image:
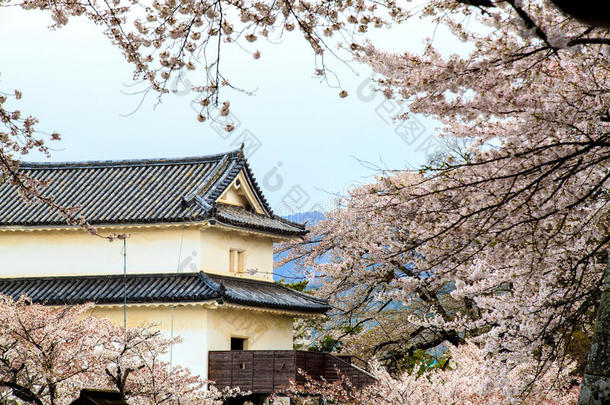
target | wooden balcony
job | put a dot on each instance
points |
(268, 371)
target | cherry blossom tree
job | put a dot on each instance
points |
(462, 382)
(48, 354)
(501, 244)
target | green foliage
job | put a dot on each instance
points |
(295, 285)
(325, 344)
(329, 344)
(417, 362)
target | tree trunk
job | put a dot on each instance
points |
(596, 383)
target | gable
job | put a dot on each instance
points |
(241, 194)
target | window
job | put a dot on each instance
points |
(238, 343)
(236, 260)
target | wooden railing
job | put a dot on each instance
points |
(268, 371)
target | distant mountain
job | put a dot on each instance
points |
(289, 272)
(309, 217)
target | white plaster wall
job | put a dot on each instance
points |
(189, 322)
(77, 252)
(231, 196)
(264, 330)
(205, 329)
(151, 250)
(216, 243)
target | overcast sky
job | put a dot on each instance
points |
(309, 140)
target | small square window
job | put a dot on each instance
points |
(237, 260)
(238, 343)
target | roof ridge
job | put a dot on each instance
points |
(93, 276)
(208, 181)
(209, 282)
(129, 162)
(223, 180)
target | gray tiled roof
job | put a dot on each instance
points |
(266, 294)
(160, 288)
(107, 289)
(141, 191)
(237, 216)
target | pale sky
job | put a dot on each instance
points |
(74, 81)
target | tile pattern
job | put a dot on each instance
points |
(160, 288)
(141, 191)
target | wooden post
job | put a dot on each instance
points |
(596, 383)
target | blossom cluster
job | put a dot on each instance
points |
(164, 39)
(464, 382)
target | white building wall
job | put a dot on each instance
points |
(263, 330)
(216, 243)
(203, 329)
(149, 250)
(188, 248)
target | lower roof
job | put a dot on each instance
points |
(160, 288)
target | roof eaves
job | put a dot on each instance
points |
(309, 297)
(258, 228)
(323, 303)
(123, 223)
(300, 228)
(69, 294)
(291, 307)
(291, 223)
(207, 182)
